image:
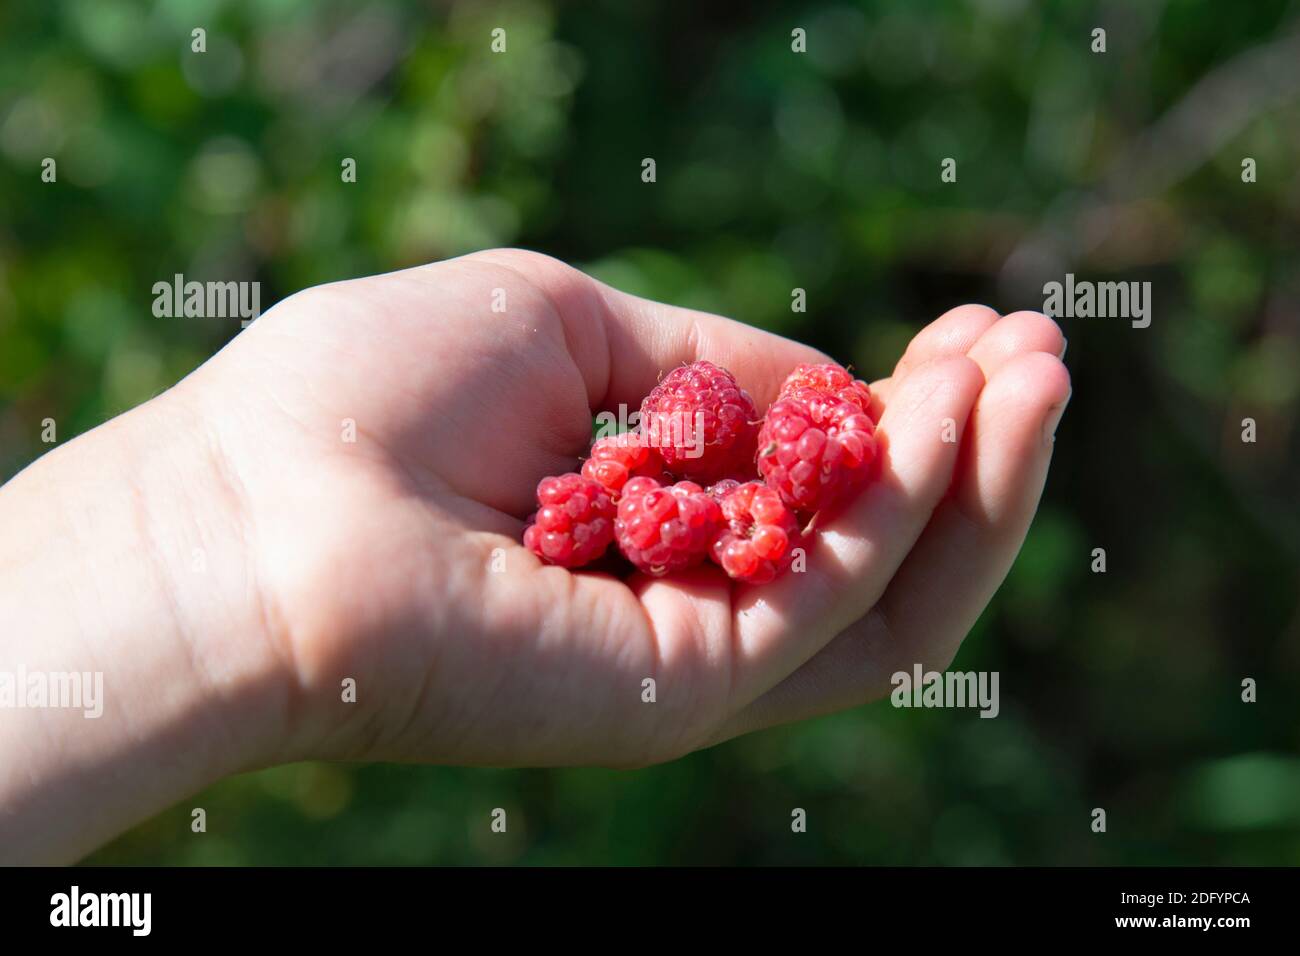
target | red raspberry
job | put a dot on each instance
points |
(665, 528)
(574, 523)
(760, 535)
(617, 458)
(814, 450)
(702, 422)
(829, 378)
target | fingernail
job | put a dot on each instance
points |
(1054, 418)
(1065, 344)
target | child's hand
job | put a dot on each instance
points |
(394, 559)
(375, 558)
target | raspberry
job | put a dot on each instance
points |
(617, 458)
(666, 528)
(829, 378)
(815, 449)
(702, 422)
(574, 523)
(760, 534)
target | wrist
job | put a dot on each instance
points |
(124, 561)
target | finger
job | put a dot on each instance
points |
(953, 333)
(1014, 335)
(881, 389)
(1000, 341)
(958, 563)
(857, 552)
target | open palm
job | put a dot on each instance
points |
(381, 440)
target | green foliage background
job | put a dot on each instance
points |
(775, 170)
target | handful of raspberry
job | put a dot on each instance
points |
(704, 478)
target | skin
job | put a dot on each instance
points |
(228, 559)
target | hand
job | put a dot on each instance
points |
(377, 557)
(260, 557)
